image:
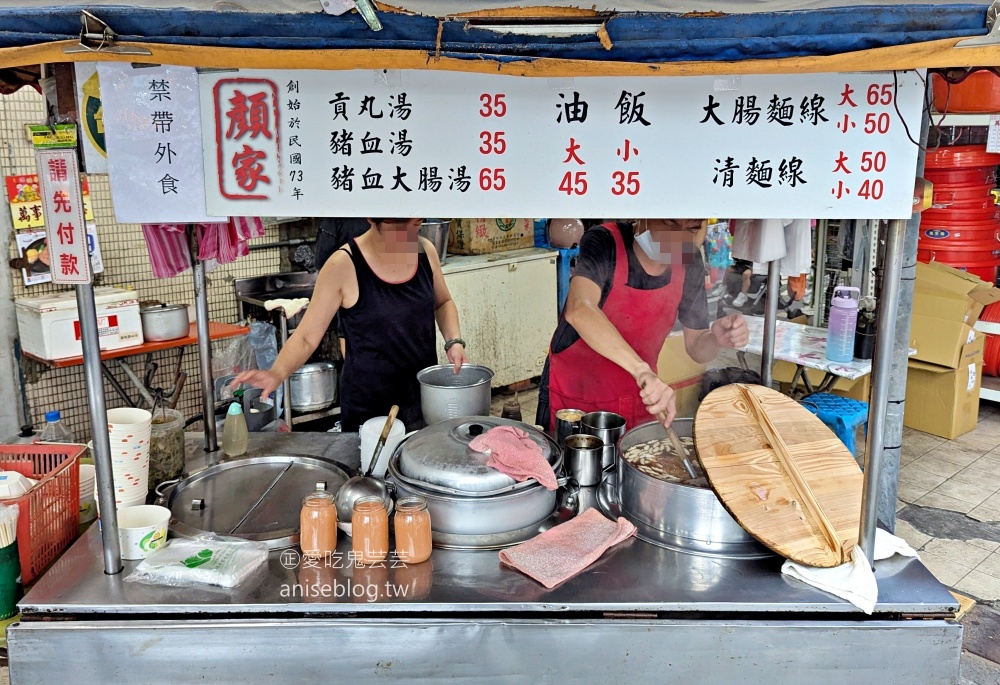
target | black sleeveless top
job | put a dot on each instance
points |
(389, 335)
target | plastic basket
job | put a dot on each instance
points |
(48, 513)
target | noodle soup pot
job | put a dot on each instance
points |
(672, 515)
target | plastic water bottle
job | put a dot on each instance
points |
(55, 430)
(843, 322)
(234, 432)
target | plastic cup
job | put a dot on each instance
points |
(142, 529)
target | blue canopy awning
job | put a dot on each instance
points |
(636, 37)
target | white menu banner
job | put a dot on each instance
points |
(62, 205)
(429, 143)
(152, 128)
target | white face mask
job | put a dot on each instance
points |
(652, 248)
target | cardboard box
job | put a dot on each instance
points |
(50, 325)
(858, 389)
(943, 400)
(946, 304)
(948, 293)
(681, 373)
(483, 236)
(939, 341)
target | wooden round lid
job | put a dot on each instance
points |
(785, 476)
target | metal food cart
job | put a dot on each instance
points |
(641, 613)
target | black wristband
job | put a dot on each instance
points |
(453, 341)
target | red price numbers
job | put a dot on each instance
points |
(492, 179)
(623, 183)
(880, 94)
(574, 183)
(877, 123)
(872, 189)
(493, 143)
(493, 105)
(872, 161)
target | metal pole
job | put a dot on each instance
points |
(204, 344)
(287, 384)
(819, 284)
(770, 321)
(885, 340)
(90, 338)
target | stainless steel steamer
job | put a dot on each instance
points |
(472, 506)
(672, 515)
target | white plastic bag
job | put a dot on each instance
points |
(202, 560)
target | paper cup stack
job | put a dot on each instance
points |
(128, 431)
(88, 499)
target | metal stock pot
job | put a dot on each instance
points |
(471, 504)
(445, 394)
(672, 515)
(314, 386)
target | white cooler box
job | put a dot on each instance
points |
(50, 326)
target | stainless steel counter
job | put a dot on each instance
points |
(650, 611)
(635, 577)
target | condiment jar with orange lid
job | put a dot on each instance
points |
(318, 525)
(413, 530)
(370, 530)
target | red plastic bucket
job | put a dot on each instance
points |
(985, 237)
(960, 157)
(977, 175)
(962, 196)
(979, 91)
(968, 257)
(960, 215)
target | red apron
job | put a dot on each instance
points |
(580, 378)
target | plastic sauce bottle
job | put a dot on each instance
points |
(413, 530)
(234, 431)
(55, 430)
(318, 525)
(842, 325)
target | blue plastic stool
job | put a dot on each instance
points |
(841, 414)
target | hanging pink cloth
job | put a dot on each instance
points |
(224, 242)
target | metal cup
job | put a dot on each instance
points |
(582, 456)
(609, 427)
(567, 423)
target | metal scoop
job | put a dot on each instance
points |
(366, 485)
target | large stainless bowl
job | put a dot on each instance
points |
(670, 514)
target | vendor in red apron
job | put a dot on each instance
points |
(630, 284)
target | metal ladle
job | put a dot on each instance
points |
(365, 485)
(676, 442)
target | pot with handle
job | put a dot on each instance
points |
(314, 386)
(164, 322)
(446, 395)
(673, 515)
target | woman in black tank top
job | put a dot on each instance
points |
(387, 285)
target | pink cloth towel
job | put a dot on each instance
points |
(512, 451)
(168, 249)
(561, 552)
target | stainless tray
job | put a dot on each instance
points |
(258, 498)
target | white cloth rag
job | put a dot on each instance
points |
(855, 580)
(291, 306)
